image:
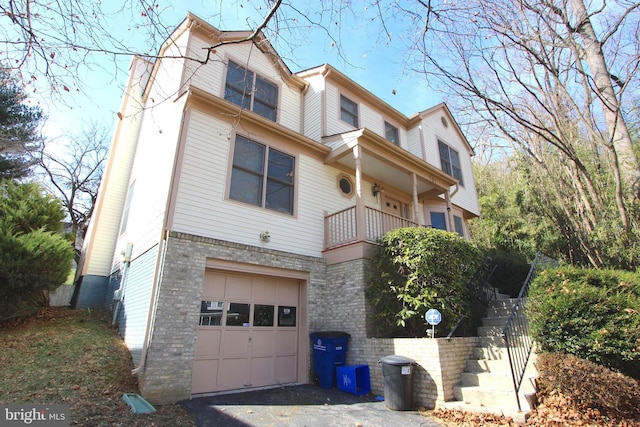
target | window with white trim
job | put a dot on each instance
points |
(250, 91)
(348, 111)
(450, 161)
(262, 176)
(391, 133)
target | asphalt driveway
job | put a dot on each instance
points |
(300, 406)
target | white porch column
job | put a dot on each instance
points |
(417, 216)
(360, 210)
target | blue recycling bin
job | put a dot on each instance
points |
(329, 352)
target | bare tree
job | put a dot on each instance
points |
(525, 66)
(72, 170)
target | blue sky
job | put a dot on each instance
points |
(373, 62)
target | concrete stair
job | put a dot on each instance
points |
(486, 385)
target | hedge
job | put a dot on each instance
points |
(418, 269)
(591, 314)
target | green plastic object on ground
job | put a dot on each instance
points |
(138, 404)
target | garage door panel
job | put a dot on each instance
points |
(286, 342)
(234, 373)
(239, 288)
(262, 371)
(287, 293)
(208, 343)
(204, 376)
(214, 286)
(286, 369)
(236, 343)
(262, 343)
(264, 289)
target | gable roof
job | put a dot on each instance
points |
(444, 109)
(219, 38)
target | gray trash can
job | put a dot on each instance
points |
(397, 372)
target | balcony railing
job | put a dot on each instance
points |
(341, 227)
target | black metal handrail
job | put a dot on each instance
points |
(481, 293)
(516, 330)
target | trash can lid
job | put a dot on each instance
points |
(397, 360)
(329, 334)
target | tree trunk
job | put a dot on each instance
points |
(627, 161)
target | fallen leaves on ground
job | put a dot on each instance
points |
(74, 357)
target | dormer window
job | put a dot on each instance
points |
(251, 92)
(349, 111)
(391, 133)
(450, 161)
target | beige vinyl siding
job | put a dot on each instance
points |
(167, 83)
(466, 197)
(208, 77)
(368, 116)
(371, 119)
(201, 207)
(211, 77)
(313, 114)
(414, 144)
(105, 222)
(335, 125)
(152, 171)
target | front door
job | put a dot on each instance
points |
(394, 207)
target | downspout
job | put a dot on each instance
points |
(118, 294)
(323, 102)
(447, 196)
(302, 107)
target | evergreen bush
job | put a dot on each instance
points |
(417, 269)
(34, 257)
(591, 314)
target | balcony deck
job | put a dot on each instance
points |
(341, 228)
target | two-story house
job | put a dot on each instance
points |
(241, 204)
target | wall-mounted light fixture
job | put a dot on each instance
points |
(265, 236)
(375, 190)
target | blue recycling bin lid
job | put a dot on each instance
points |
(329, 334)
(397, 360)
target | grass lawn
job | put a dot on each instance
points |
(74, 357)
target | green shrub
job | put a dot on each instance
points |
(591, 314)
(589, 385)
(418, 269)
(34, 257)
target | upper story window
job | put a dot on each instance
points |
(250, 91)
(458, 225)
(262, 176)
(391, 133)
(450, 161)
(348, 111)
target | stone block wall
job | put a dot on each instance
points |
(439, 364)
(345, 306)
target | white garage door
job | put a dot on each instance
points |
(248, 332)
